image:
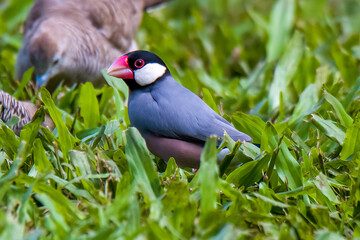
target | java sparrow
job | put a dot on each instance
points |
(173, 121)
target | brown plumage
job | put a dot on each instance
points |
(75, 40)
(25, 111)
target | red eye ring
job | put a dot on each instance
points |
(139, 63)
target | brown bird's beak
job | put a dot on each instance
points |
(120, 69)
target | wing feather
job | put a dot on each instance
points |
(177, 113)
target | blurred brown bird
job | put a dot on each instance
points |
(25, 111)
(74, 40)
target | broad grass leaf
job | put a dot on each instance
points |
(106, 94)
(208, 99)
(241, 155)
(230, 231)
(208, 176)
(279, 28)
(182, 214)
(209, 81)
(8, 140)
(286, 70)
(89, 105)
(306, 104)
(141, 166)
(250, 149)
(62, 205)
(329, 128)
(271, 201)
(352, 94)
(286, 165)
(352, 139)
(49, 136)
(259, 20)
(56, 212)
(344, 118)
(281, 108)
(117, 85)
(249, 173)
(228, 142)
(65, 138)
(322, 183)
(120, 159)
(15, 12)
(308, 163)
(18, 161)
(11, 228)
(156, 231)
(225, 163)
(299, 142)
(288, 168)
(41, 161)
(24, 81)
(251, 125)
(324, 234)
(170, 170)
(31, 130)
(190, 80)
(125, 205)
(345, 63)
(83, 167)
(97, 138)
(72, 188)
(111, 127)
(89, 134)
(12, 121)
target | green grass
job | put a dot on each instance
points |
(286, 72)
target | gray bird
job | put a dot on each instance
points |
(74, 40)
(173, 121)
(25, 111)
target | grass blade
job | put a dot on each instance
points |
(89, 105)
(208, 177)
(65, 138)
(345, 119)
(281, 21)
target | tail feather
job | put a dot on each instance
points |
(11, 107)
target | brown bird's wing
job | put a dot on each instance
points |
(116, 20)
(41, 11)
(98, 32)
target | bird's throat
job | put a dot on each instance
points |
(132, 84)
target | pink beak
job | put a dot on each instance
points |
(120, 69)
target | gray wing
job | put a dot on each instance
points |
(175, 112)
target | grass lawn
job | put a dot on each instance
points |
(285, 72)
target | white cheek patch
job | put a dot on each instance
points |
(149, 73)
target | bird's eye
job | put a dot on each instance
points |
(139, 63)
(56, 61)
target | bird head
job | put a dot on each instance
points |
(46, 56)
(138, 68)
(58, 54)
